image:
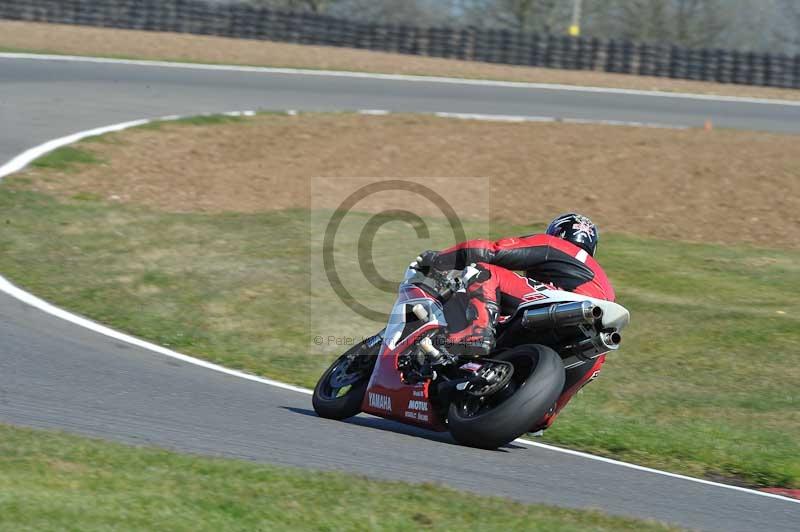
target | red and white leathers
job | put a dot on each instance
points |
(498, 290)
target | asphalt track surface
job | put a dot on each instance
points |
(56, 375)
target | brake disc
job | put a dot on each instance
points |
(344, 374)
(496, 374)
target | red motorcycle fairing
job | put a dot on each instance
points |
(387, 396)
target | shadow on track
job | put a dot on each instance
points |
(378, 423)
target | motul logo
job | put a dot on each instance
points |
(380, 401)
(418, 405)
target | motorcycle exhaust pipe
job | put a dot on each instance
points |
(611, 340)
(597, 345)
(562, 315)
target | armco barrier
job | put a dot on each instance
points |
(247, 21)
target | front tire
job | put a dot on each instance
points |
(340, 391)
(507, 414)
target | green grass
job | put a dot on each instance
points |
(199, 120)
(65, 159)
(706, 381)
(52, 481)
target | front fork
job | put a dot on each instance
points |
(370, 347)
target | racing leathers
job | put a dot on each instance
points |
(495, 291)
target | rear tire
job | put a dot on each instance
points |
(536, 385)
(328, 400)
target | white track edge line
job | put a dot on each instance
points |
(22, 160)
(402, 77)
(44, 306)
(656, 471)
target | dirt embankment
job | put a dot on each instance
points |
(723, 186)
(80, 40)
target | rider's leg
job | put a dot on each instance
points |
(577, 378)
(472, 315)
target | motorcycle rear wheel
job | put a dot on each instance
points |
(491, 422)
(340, 391)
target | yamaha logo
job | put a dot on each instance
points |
(380, 401)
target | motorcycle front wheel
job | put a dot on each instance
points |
(340, 391)
(493, 421)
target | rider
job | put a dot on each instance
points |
(563, 257)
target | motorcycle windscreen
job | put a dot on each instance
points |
(408, 315)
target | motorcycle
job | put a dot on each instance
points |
(406, 372)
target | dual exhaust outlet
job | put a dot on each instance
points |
(570, 315)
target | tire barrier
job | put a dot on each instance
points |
(246, 21)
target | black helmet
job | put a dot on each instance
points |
(577, 229)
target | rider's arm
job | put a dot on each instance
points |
(524, 253)
(542, 257)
